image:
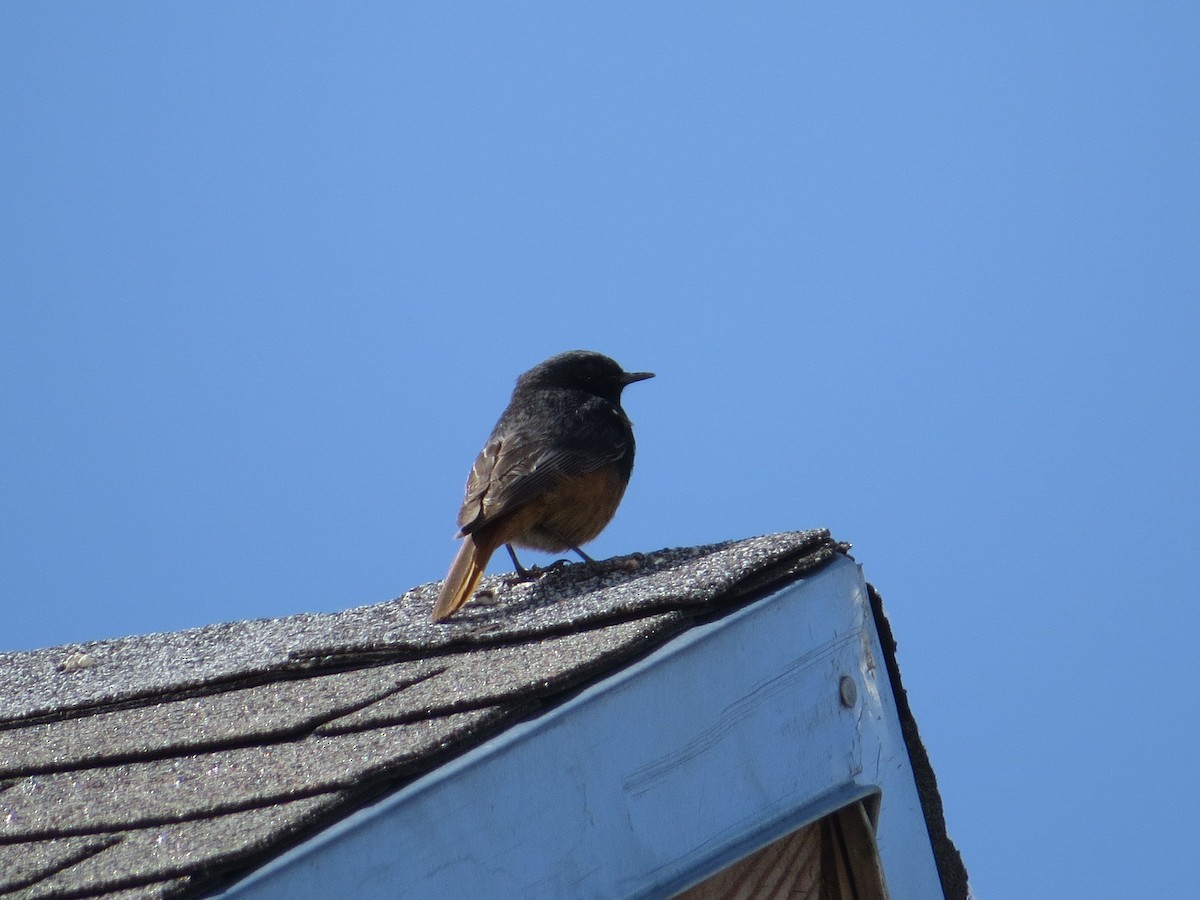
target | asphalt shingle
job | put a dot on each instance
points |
(157, 765)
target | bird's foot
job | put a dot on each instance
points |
(533, 573)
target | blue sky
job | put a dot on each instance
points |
(926, 275)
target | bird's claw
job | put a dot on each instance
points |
(534, 573)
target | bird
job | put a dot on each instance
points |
(552, 473)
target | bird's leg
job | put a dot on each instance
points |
(592, 564)
(585, 557)
(523, 574)
(533, 573)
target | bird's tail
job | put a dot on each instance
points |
(464, 575)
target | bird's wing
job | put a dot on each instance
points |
(510, 472)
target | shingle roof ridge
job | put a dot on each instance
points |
(56, 680)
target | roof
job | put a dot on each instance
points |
(166, 765)
(169, 765)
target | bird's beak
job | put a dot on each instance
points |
(631, 377)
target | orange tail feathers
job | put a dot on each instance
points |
(464, 575)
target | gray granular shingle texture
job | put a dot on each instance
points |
(164, 765)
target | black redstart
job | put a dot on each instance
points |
(553, 471)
